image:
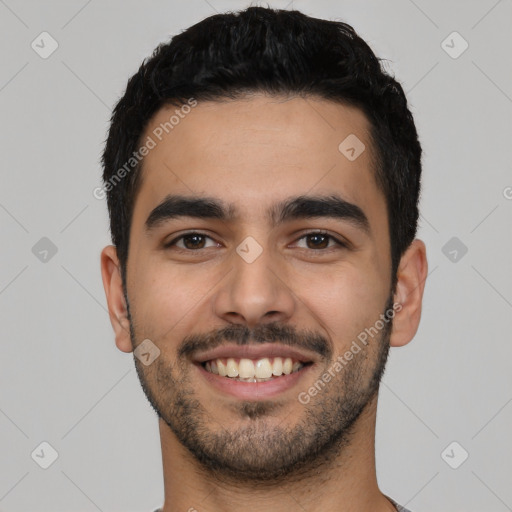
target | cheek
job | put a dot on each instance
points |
(165, 295)
(345, 300)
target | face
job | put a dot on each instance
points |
(253, 236)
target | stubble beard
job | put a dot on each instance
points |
(254, 445)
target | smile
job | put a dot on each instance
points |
(254, 388)
(253, 370)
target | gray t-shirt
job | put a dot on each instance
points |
(399, 508)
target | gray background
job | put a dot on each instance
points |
(63, 381)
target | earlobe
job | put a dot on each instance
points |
(411, 276)
(113, 285)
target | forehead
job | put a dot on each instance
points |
(255, 152)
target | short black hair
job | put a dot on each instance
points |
(227, 56)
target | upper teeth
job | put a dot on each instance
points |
(248, 368)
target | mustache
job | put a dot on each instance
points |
(266, 333)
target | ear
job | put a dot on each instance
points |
(411, 276)
(117, 310)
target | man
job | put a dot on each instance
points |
(262, 175)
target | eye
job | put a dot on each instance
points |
(191, 241)
(320, 240)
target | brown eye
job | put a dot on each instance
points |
(319, 240)
(193, 241)
(190, 241)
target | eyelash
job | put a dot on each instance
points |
(322, 233)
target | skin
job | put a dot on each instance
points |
(255, 152)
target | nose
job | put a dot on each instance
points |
(255, 292)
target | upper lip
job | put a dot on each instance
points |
(254, 352)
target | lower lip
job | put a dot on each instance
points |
(254, 390)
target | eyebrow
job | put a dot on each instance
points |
(294, 208)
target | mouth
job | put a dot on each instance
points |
(254, 370)
(255, 373)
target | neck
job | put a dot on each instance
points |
(347, 483)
